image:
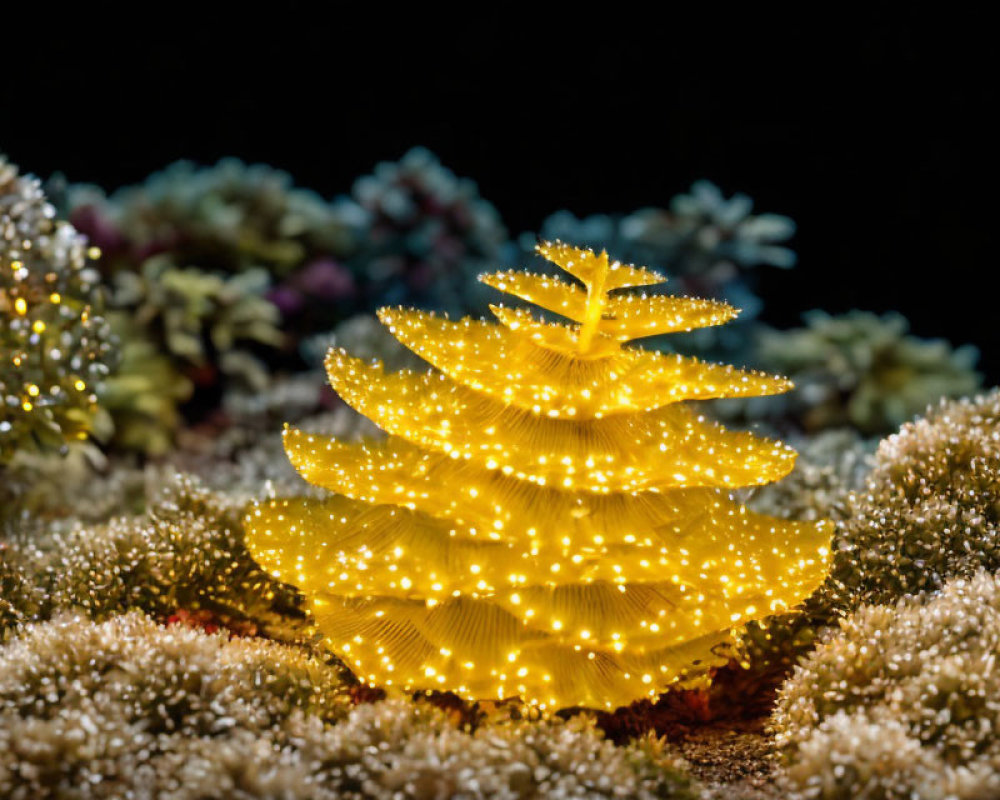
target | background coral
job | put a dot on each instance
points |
(207, 261)
(55, 347)
(830, 466)
(225, 218)
(428, 234)
(863, 370)
(193, 255)
(902, 702)
(703, 236)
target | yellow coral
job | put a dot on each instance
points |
(544, 520)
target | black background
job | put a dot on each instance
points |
(875, 132)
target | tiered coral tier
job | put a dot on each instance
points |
(545, 520)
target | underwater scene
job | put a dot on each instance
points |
(382, 493)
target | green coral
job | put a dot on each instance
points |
(903, 701)
(863, 370)
(142, 399)
(183, 329)
(55, 347)
(192, 255)
(203, 321)
(195, 313)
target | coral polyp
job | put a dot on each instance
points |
(546, 520)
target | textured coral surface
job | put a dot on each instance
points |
(902, 701)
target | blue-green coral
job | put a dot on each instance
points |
(203, 319)
(702, 236)
(428, 234)
(55, 347)
(863, 370)
(183, 330)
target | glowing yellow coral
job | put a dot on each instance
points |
(544, 520)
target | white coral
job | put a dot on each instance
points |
(127, 708)
(931, 508)
(903, 701)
